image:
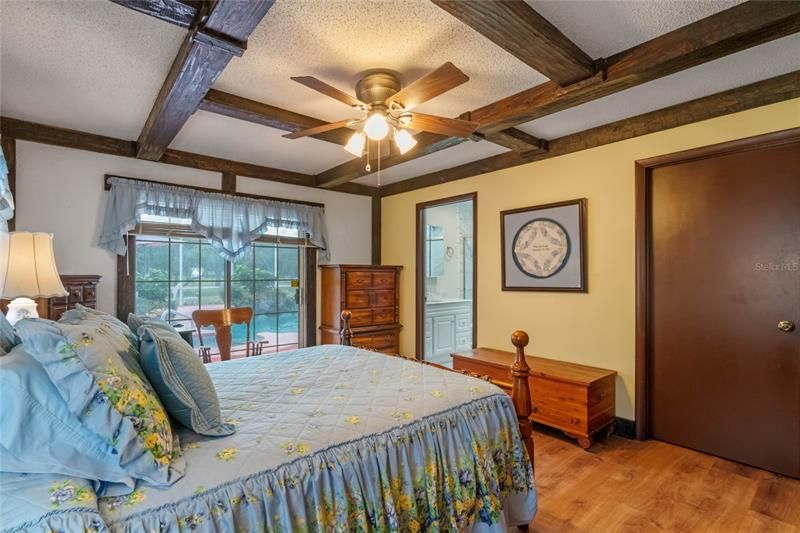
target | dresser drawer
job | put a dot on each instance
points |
(89, 293)
(358, 280)
(57, 310)
(383, 280)
(464, 322)
(559, 404)
(376, 341)
(383, 316)
(383, 298)
(552, 416)
(75, 293)
(358, 300)
(361, 317)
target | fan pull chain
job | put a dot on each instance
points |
(368, 167)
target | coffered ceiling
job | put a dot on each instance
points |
(96, 66)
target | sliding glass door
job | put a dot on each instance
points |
(177, 275)
(445, 277)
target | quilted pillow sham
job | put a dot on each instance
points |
(135, 322)
(82, 314)
(40, 435)
(181, 380)
(86, 361)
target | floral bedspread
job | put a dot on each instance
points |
(333, 438)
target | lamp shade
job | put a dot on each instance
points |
(31, 270)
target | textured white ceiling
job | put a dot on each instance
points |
(88, 65)
(95, 66)
(336, 41)
(604, 27)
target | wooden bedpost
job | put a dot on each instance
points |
(346, 334)
(520, 389)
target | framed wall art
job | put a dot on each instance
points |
(544, 247)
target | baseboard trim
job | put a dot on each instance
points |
(625, 428)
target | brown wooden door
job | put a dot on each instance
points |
(725, 269)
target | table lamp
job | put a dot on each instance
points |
(31, 273)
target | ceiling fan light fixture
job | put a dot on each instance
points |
(376, 127)
(405, 119)
(356, 144)
(404, 140)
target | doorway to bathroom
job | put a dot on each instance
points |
(446, 277)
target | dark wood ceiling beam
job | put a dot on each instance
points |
(427, 143)
(518, 29)
(516, 140)
(735, 29)
(241, 108)
(202, 57)
(757, 94)
(12, 128)
(726, 32)
(173, 11)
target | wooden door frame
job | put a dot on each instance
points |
(420, 269)
(644, 171)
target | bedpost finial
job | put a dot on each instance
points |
(520, 339)
(346, 334)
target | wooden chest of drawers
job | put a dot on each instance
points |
(82, 290)
(577, 399)
(369, 292)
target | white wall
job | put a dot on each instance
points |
(60, 190)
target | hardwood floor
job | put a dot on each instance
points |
(623, 485)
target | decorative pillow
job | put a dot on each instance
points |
(135, 322)
(8, 339)
(85, 363)
(181, 380)
(82, 314)
(40, 435)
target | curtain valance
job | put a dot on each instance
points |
(230, 223)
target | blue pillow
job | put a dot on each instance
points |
(39, 435)
(8, 339)
(85, 363)
(181, 380)
(82, 314)
(135, 322)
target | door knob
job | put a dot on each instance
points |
(786, 325)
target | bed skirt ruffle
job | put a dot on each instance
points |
(463, 469)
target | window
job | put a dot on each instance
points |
(175, 275)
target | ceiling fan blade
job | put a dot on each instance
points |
(452, 127)
(431, 85)
(318, 129)
(328, 90)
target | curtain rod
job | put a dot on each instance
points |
(107, 186)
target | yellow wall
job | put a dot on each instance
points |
(596, 328)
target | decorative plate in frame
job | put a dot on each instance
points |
(543, 247)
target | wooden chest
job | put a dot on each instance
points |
(370, 293)
(81, 289)
(577, 399)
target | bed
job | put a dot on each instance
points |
(328, 438)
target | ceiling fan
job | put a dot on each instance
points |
(387, 107)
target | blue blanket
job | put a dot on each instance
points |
(327, 438)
